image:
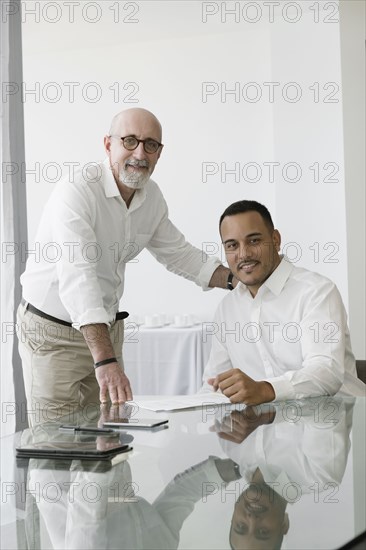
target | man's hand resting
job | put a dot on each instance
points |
(240, 388)
(110, 377)
(113, 381)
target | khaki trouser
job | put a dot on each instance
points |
(58, 367)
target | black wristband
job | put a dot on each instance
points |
(105, 362)
(229, 284)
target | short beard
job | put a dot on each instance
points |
(134, 180)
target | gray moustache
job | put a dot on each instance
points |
(139, 163)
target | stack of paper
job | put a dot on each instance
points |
(177, 402)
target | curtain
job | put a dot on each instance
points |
(13, 216)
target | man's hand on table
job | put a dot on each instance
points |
(111, 379)
(240, 388)
(113, 383)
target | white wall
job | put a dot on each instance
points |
(309, 132)
(168, 54)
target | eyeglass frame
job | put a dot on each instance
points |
(143, 141)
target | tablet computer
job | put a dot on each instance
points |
(146, 423)
(71, 450)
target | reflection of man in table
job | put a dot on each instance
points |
(283, 452)
(259, 519)
(97, 222)
(282, 332)
(95, 510)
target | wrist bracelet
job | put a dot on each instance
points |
(229, 283)
(105, 362)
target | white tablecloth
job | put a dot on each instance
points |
(165, 361)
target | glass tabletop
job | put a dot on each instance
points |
(282, 475)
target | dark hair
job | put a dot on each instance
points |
(248, 206)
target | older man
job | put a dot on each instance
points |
(282, 333)
(70, 331)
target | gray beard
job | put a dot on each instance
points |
(133, 180)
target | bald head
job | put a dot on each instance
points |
(132, 168)
(130, 118)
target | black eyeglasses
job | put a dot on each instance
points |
(131, 143)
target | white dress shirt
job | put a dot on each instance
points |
(293, 334)
(85, 238)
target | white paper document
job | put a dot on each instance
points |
(177, 402)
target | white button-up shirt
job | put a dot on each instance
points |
(85, 238)
(293, 334)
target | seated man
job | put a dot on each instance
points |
(282, 332)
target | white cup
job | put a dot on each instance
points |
(183, 320)
(153, 320)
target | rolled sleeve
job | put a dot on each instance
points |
(92, 316)
(208, 269)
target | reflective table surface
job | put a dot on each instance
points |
(286, 475)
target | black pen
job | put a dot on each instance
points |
(65, 428)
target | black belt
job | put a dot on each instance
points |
(32, 309)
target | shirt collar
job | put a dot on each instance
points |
(111, 188)
(277, 280)
(109, 183)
